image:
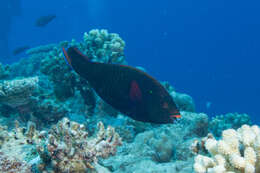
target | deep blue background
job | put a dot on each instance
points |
(208, 49)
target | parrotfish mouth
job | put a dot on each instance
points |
(67, 58)
(176, 116)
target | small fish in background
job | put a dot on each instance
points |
(127, 89)
(44, 20)
(208, 104)
(20, 50)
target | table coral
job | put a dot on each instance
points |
(237, 152)
(69, 149)
(17, 92)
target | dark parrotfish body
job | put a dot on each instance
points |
(127, 89)
(44, 20)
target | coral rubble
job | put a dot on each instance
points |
(12, 165)
(69, 149)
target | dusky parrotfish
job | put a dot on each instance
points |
(20, 50)
(44, 20)
(127, 89)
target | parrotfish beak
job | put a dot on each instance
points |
(175, 116)
(66, 57)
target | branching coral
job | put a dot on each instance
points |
(17, 92)
(237, 152)
(69, 149)
(103, 46)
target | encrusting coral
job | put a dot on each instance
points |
(69, 149)
(237, 152)
(17, 92)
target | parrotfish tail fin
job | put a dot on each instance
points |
(73, 56)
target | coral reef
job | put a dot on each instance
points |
(17, 92)
(12, 165)
(161, 145)
(69, 149)
(80, 143)
(227, 121)
(46, 110)
(237, 151)
(59, 73)
(20, 142)
(4, 71)
(103, 46)
(31, 65)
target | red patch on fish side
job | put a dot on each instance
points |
(135, 92)
(165, 105)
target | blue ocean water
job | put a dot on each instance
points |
(208, 49)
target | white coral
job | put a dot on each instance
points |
(237, 150)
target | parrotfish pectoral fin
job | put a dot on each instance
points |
(66, 57)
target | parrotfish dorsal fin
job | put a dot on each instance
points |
(135, 92)
(74, 56)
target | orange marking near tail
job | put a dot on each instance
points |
(175, 116)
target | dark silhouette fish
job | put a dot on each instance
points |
(44, 20)
(127, 89)
(20, 50)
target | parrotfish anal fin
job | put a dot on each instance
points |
(135, 92)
